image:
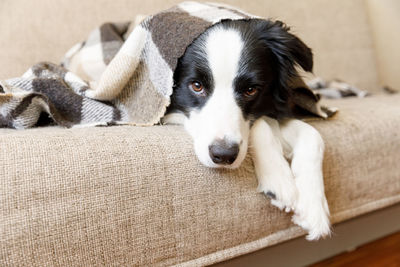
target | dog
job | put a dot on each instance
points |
(231, 92)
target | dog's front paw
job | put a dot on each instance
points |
(312, 214)
(281, 190)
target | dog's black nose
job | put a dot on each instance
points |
(222, 152)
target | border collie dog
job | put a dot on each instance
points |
(231, 90)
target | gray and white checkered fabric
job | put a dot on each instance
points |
(122, 73)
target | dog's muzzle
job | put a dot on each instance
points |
(223, 152)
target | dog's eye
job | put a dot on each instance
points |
(197, 87)
(251, 91)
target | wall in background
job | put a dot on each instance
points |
(385, 25)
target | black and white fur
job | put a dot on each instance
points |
(231, 92)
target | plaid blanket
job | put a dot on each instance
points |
(123, 73)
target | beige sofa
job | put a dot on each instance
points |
(122, 196)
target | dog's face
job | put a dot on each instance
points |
(234, 73)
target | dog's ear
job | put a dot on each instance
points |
(288, 48)
(288, 51)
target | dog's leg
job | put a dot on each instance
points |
(273, 172)
(311, 209)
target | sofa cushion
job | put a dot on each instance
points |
(138, 196)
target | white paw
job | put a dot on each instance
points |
(281, 190)
(312, 214)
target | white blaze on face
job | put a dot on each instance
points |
(220, 117)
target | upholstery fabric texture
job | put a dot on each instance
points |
(129, 195)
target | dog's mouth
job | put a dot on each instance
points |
(220, 136)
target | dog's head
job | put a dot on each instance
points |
(232, 74)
